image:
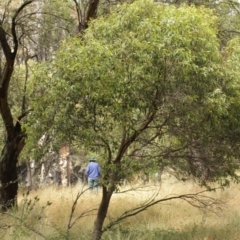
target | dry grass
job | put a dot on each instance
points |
(175, 216)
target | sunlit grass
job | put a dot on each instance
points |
(174, 219)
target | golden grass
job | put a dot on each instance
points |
(175, 215)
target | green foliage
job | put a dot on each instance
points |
(227, 12)
(147, 83)
(56, 24)
(25, 219)
(41, 26)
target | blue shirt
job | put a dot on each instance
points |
(93, 170)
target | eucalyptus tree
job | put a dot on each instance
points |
(147, 85)
(15, 136)
(55, 22)
(33, 32)
(23, 39)
(227, 11)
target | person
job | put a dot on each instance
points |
(93, 173)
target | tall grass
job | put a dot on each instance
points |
(36, 219)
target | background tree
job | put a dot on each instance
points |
(15, 136)
(227, 12)
(147, 86)
(39, 30)
(23, 39)
(86, 10)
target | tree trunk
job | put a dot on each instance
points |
(15, 137)
(85, 12)
(102, 213)
(8, 172)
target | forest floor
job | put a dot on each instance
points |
(168, 220)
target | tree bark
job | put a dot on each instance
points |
(15, 137)
(102, 213)
(85, 12)
(8, 171)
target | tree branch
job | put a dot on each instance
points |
(197, 200)
(87, 212)
(13, 28)
(5, 46)
(25, 225)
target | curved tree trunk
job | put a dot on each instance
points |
(14, 135)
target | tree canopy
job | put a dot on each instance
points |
(147, 82)
(145, 86)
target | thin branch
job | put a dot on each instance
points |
(139, 188)
(25, 225)
(24, 114)
(42, 13)
(129, 140)
(197, 200)
(86, 213)
(158, 133)
(79, 14)
(231, 31)
(13, 28)
(5, 10)
(106, 144)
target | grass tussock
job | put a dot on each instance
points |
(37, 219)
